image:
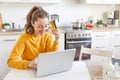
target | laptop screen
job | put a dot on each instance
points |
(55, 62)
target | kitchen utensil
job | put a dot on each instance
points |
(76, 25)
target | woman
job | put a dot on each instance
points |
(34, 41)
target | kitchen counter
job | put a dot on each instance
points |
(63, 30)
(19, 33)
(106, 29)
(79, 71)
(10, 33)
(69, 28)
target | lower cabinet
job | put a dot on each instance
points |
(101, 44)
(110, 40)
(6, 44)
(115, 47)
(101, 40)
(115, 43)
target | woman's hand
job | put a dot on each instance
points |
(56, 33)
(33, 64)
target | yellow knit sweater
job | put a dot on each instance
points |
(28, 47)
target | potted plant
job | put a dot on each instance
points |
(6, 25)
(99, 23)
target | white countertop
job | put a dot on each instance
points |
(79, 71)
(62, 31)
(19, 33)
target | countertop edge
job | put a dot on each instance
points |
(19, 33)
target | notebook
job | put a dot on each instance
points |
(55, 62)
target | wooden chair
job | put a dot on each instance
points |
(95, 66)
(102, 53)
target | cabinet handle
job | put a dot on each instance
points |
(100, 35)
(100, 47)
(6, 40)
(117, 34)
(69, 42)
(116, 45)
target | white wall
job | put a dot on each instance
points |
(68, 10)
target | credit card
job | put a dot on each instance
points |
(52, 25)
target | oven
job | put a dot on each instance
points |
(77, 38)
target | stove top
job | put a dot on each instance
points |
(77, 33)
(70, 28)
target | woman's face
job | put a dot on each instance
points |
(40, 26)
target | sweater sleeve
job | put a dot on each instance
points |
(51, 44)
(14, 58)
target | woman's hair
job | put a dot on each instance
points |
(35, 13)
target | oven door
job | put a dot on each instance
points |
(77, 45)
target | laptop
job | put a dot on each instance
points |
(55, 62)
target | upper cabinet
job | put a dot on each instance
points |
(95, 1)
(30, 1)
(101, 1)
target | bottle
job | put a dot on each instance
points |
(13, 25)
(82, 24)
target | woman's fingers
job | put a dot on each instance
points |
(33, 63)
(56, 33)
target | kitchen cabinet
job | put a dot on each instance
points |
(115, 43)
(107, 40)
(101, 40)
(31, 1)
(6, 44)
(101, 1)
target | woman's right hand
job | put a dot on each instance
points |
(56, 33)
(33, 64)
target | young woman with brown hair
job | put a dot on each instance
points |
(34, 41)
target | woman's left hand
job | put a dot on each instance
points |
(56, 33)
(33, 63)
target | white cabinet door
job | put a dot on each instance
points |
(115, 43)
(6, 45)
(62, 41)
(101, 44)
(115, 34)
(101, 40)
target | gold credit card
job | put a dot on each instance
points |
(53, 25)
